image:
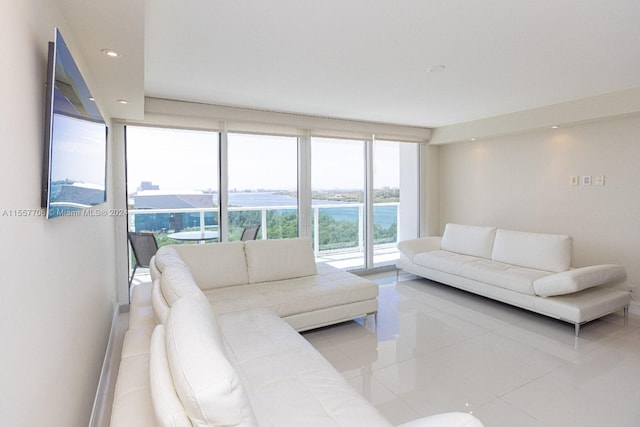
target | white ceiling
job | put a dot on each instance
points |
(365, 59)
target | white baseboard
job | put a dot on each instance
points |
(99, 411)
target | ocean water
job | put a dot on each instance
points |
(382, 215)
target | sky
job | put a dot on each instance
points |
(187, 160)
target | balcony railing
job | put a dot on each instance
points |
(336, 227)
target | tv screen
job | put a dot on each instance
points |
(75, 149)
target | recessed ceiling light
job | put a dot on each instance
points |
(91, 98)
(110, 53)
(473, 139)
(122, 101)
(555, 127)
(435, 68)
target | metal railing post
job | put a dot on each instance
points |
(360, 229)
(316, 230)
(263, 223)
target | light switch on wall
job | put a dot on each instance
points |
(586, 180)
(573, 180)
(600, 180)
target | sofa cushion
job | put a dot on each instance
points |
(166, 404)
(235, 298)
(578, 279)
(136, 341)
(216, 265)
(176, 281)
(506, 276)
(289, 382)
(549, 252)
(468, 239)
(279, 259)
(332, 288)
(132, 394)
(141, 294)
(448, 419)
(206, 383)
(449, 262)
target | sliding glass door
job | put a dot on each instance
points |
(262, 185)
(395, 198)
(338, 190)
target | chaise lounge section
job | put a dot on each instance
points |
(528, 270)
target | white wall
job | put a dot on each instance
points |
(57, 291)
(522, 183)
(429, 190)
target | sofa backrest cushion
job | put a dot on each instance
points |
(549, 252)
(216, 265)
(153, 269)
(176, 282)
(471, 240)
(165, 256)
(206, 383)
(159, 303)
(278, 259)
(168, 409)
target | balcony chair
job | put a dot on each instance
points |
(144, 246)
(250, 233)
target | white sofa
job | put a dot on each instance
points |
(528, 270)
(186, 363)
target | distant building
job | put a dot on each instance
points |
(148, 185)
(157, 199)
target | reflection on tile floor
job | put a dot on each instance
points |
(438, 349)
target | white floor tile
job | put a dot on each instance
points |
(438, 349)
(499, 413)
(556, 403)
(397, 411)
(429, 389)
(372, 389)
(498, 363)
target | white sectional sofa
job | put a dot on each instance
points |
(196, 354)
(528, 270)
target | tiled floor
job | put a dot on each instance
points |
(437, 349)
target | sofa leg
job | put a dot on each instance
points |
(577, 329)
(367, 321)
(626, 316)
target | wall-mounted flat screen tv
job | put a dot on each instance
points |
(75, 140)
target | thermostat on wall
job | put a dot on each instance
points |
(586, 180)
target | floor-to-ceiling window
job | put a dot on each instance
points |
(338, 190)
(358, 197)
(262, 185)
(172, 181)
